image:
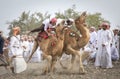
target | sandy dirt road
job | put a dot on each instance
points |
(34, 71)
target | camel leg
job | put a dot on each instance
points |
(53, 65)
(33, 50)
(72, 62)
(74, 52)
(47, 68)
(62, 65)
(70, 66)
(81, 64)
(59, 61)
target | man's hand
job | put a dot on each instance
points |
(96, 48)
(24, 47)
(103, 45)
(29, 33)
(13, 56)
(1, 55)
(49, 34)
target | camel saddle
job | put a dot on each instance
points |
(42, 35)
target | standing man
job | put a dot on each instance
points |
(93, 37)
(1, 44)
(119, 40)
(92, 42)
(103, 55)
(16, 52)
(115, 42)
(2, 58)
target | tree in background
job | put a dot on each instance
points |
(95, 20)
(28, 21)
(69, 13)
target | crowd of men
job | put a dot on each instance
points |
(103, 45)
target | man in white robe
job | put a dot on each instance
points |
(93, 37)
(114, 53)
(115, 42)
(92, 41)
(16, 52)
(26, 48)
(103, 55)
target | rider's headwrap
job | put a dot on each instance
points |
(53, 20)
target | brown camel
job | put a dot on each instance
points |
(51, 47)
(72, 44)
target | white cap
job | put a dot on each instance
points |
(59, 21)
(71, 19)
(92, 27)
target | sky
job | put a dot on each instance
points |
(12, 9)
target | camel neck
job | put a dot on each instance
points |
(83, 31)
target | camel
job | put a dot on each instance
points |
(69, 44)
(51, 48)
(72, 44)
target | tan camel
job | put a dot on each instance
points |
(72, 44)
(51, 48)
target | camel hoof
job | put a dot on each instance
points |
(65, 68)
(83, 72)
(47, 73)
(44, 73)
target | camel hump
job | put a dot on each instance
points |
(84, 13)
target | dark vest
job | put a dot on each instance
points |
(1, 44)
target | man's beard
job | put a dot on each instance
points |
(104, 28)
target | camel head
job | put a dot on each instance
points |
(59, 27)
(60, 30)
(81, 18)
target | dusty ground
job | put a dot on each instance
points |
(34, 71)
